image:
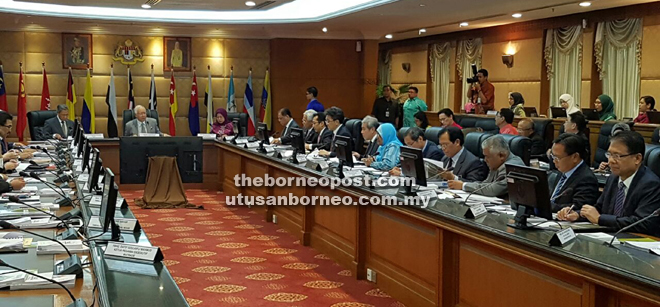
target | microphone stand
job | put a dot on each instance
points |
(502, 177)
(69, 234)
(64, 201)
(654, 213)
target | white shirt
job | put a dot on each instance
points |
(627, 183)
(374, 139)
(335, 131)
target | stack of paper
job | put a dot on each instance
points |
(13, 242)
(43, 206)
(647, 246)
(32, 282)
(10, 277)
(6, 214)
(600, 236)
(50, 247)
(37, 223)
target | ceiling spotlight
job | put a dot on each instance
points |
(463, 24)
(516, 15)
(146, 6)
(324, 29)
(585, 4)
(422, 5)
(250, 3)
(422, 31)
(388, 36)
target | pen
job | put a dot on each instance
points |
(570, 209)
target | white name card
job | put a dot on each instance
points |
(241, 141)
(323, 164)
(134, 252)
(94, 136)
(562, 237)
(150, 135)
(353, 173)
(207, 136)
(124, 224)
(302, 158)
(251, 145)
(428, 194)
(476, 211)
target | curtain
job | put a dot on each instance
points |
(439, 60)
(618, 54)
(563, 61)
(468, 52)
(384, 67)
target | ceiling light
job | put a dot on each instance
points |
(463, 24)
(585, 4)
(422, 31)
(146, 6)
(324, 29)
(516, 15)
(250, 3)
(388, 36)
(422, 5)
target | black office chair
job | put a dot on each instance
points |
(520, 146)
(36, 121)
(488, 125)
(655, 137)
(544, 128)
(467, 122)
(473, 142)
(242, 121)
(401, 134)
(652, 158)
(355, 127)
(433, 134)
(603, 142)
(129, 115)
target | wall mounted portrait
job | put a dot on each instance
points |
(177, 54)
(76, 50)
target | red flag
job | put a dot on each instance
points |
(45, 93)
(173, 105)
(3, 90)
(21, 118)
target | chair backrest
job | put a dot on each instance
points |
(604, 141)
(466, 121)
(242, 121)
(401, 134)
(520, 146)
(652, 158)
(129, 115)
(473, 142)
(655, 137)
(544, 128)
(488, 125)
(355, 127)
(36, 120)
(433, 134)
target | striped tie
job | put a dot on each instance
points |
(560, 185)
(620, 199)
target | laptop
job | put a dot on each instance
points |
(558, 112)
(590, 114)
(654, 117)
(531, 112)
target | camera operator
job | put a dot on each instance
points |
(484, 92)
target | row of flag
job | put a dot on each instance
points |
(88, 117)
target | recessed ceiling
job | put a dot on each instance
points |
(402, 18)
(215, 5)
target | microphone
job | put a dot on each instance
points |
(71, 265)
(501, 177)
(69, 234)
(64, 201)
(654, 213)
(76, 302)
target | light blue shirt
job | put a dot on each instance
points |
(568, 175)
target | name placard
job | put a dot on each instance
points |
(562, 237)
(124, 224)
(429, 194)
(251, 145)
(353, 173)
(133, 252)
(241, 141)
(149, 135)
(207, 136)
(94, 136)
(475, 211)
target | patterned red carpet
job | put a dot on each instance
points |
(229, 256)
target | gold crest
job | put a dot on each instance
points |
(128, 53)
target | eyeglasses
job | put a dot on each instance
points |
(616, 157)
(8, 126)
(556, 159)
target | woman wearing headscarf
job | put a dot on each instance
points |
(389, 151)
(222, 126)
(566, 101)
(605, 108)
(421, 120)
(517, 103)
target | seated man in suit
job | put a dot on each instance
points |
(497, 154)
(9, 156)
(630, 194)
(577, 184)
(415, 138)
(60, 126)
(323, 134)
(458, 160)
(526, 129)
(334, 119)
(141, 123)
(308, 126)
(285, 119)
(369, 126)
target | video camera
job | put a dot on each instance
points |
(474, 78)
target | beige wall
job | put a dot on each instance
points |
(419, 65)
(34, 48)
(650, 83)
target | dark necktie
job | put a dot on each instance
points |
(318, 140)
(450, 164)
(64, 129)
(560, 185)
(620, 199)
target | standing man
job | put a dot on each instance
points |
(485, 92)
(386, 109)
(526, 128)
(412, 106)
(141, 124)
(503, 119)
(369, 134)
(446, 117)
(308, 126)
(313, 104)
(285, 119)
(60, 126)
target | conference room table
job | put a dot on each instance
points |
(435, 256)
(119, 282)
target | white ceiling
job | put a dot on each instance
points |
(224, 5)
(402, 18)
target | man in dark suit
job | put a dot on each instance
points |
(10, 158)
(369, 134)
(285, 119)
(334, 119)
(526, 128)
(577, 185)
(323, 134)
(461, 161)
(309, 135)
(630, 194)
(59, 127)
(415, 138)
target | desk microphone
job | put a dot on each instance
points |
(502, 177)
(69, 234)
(76, 302)
(64, 201)
(654, 213)
(71, 265)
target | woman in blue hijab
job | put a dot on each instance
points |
(389, 151)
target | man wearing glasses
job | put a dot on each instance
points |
(526, 129)
(577, 184)
(630, 194)
(446, 117)
(460, 163)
